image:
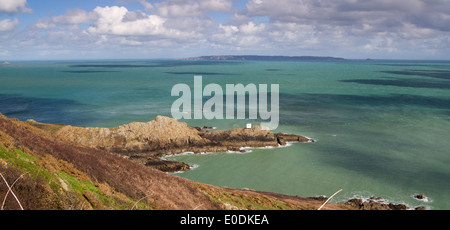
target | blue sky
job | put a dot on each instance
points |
(118, 29)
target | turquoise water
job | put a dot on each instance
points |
(382, 127)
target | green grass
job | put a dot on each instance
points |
(51, 128)
(30, 165)
(112, 200)
(244, 202)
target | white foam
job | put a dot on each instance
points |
(246, 150)
(191, 167)
(288, 144)
(178, 154)
(194, 166)
(426, 199)
(310, 140)
(365, 197)
(238, 152)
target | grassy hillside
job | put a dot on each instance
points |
(48, 183)
(48, 174)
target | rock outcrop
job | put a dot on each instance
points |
(163, 133)
(376, 203)
(420, 196)
(51, 172)
(372, 204)
(163, 136)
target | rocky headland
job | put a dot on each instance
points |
(147, 142)
(64, 167)
(49, 173)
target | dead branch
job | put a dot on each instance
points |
(10, 190)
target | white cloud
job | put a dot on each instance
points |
(116, 20)
(380, 14)
(246, 35)
(111, 21)
(74, 17)
(215, 5)
(129, 42)
(8, 24)
(411, 31)
(14, 6)
(45, 24)
(252, 28)
(281, 27)
(283, 10)
(4, 53)
(187, 8)
(148, 6)
(376, 25)
(166, 9)
(383, 43)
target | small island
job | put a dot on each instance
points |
(5, 64)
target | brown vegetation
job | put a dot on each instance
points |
(126, 176)
(98, 171)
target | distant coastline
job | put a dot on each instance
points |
(264, 58)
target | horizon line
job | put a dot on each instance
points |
(218, 55)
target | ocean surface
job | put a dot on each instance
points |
(382, 128)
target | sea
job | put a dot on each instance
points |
(381, 127)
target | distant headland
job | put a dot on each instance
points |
(265, 58)
(5, 64)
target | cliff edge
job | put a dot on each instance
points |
(47, 173)
(146, 142)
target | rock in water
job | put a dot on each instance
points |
(375, 204)
(165, 165)
(420, 196)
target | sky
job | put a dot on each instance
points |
(148, 29)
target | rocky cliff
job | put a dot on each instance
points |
(47, 173)
(147, 141)
(160, 135)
